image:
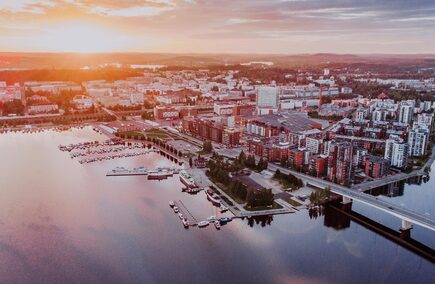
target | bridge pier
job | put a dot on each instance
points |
(405, 229)
(406, 225)
(346, 203)
(346, 200)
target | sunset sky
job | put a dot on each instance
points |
(224, 26)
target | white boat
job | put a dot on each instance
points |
(181, 216)
(212, 218)
(171, 203)
(187, 179)
(176, 209)
(217, 224)
(213, 197)
(185, 223)
(223, 208)
(203, 224)
(158, 176)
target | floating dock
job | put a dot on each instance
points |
(187, 214)
(141, 171)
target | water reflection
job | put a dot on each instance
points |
(397, 188)
(261, 221)
(64, 222)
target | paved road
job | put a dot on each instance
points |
(385, 180)
(400, 212)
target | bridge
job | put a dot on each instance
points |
(386, 180)
(395, 178)
(407, 216)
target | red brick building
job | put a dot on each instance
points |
(211, 130)
(318, 165)
(376, 167)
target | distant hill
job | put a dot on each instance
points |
(78, 60)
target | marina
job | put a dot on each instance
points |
(114, 148)
(153, 173)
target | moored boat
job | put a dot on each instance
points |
(186, 179)
(158, 175)
(212, 218)
(223, 208)
(203, 224)
(217, 225)
(224, 220)
(171, 203)
(213, 197)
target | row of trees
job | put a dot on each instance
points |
(249, 161)
(259, 198)
(219, 172)
(319, 196)
(238, 189)
(75, 75)
(288, 180)
(207, 147)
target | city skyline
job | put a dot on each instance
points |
(260, 27)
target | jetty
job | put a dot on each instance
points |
(121, 171)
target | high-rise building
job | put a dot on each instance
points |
(267, 96)
(425, 119)
(340, 158)
(417, 140)
(376, 167)
(379, 115)
(396, 151)
(312, 145)
(406, 111)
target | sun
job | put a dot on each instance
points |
(84, 37)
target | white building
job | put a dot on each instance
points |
(267, 97)
(312, 145)
(83, 102)
(137, 98)
(396, 151)
(406, 111)
(224, 108)
(379, 115)
(418, 139)
(360, 114)
(43, 108)
(425, 119)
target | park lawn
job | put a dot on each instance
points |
(228, 192)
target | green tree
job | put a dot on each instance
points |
(242, 158)
(207, 147)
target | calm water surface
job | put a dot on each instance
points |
(63, 222)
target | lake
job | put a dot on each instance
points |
(65, 222)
